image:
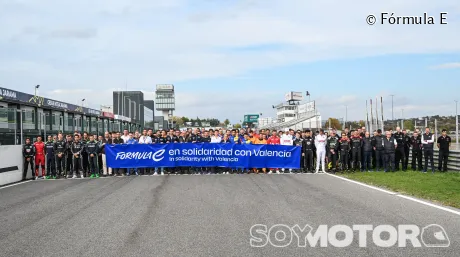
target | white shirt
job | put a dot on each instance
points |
(125, 138)
(215, 139)
(320, 142)
(286, 140)
(145, 140)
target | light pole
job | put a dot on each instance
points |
(82, 100)
(456, 122)
(402, 118)
(392, 115)
(346, 116)
(36, 87)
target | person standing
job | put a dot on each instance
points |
(91, 149)
(377, 144)
(131, 141)
(116, 140)
(286, 139)
(320, 144)
(356, 147)
(298, 141)
(443, 144)
(428, 142)
(273, 140)
(145, 139)
(407, 145)
(367, 152)
(416, 144)
(332, 148)
(28, 152)
(308, 145)
(399, 156)
(106, 141)
(389, 144)
(344, 146)
(59, 152)
(68, 156)
(50, 160)
(39, 157)
(77, 148)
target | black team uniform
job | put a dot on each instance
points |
(28, 152)
(308, 147)
(68, 158)
(332, 145)
(59, 151)
(400, 155)
(50, 160)
(76, 149)
(416, 143)
(92, 149)
(344, 146)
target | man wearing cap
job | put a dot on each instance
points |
(320, 144)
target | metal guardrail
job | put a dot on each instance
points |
(453, 163)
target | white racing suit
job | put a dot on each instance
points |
(320, 143)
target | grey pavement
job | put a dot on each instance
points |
(200, 216)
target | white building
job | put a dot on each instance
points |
(295, 115)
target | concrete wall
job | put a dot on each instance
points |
(11, 164)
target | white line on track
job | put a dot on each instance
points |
(399, 195)
(15, 184)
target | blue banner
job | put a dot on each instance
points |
(202, 155)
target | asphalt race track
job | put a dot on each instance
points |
(200, 216)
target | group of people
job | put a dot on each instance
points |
(356, 150)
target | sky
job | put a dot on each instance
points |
(228, 58)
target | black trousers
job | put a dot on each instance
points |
(333, 159)
(308, 158)
(50, 165)
(77, 165)
(417, 159)
(68, 164)
(399, 157)
(379, 159)
(367, 160)
(373, 159)
(356, 158)
(344, 159)
(442, 161)
(406, 155)
(85, 161)
(99, 163)
(92, 161)
(428, 153)
(26, 167)
(389, 161)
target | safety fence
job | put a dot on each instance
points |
(453, 163)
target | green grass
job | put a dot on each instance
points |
(443, 188)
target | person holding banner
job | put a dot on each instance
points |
(116, 140)
(163, 139)
(287, 139)
(320, 144)
(274, 140)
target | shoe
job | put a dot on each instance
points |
(36, 178)
(317, 171)
(81, 176)
(97, 176)
(54, 177)
(270, 172)
(74, 176)
(137, 174)
(162, 173)
(278, 172)
(155, 174)
(92, 176)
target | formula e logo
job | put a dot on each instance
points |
(156, 156)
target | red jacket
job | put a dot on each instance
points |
(39, 148)
(273, 140)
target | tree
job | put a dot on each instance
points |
(226, 122)
(362, 123)
(198, 122)
(214, 122)
(237, 126)
(185, 119)
(409, 125)
(334, 123)
(178, 121)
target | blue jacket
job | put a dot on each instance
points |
(131, 141)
